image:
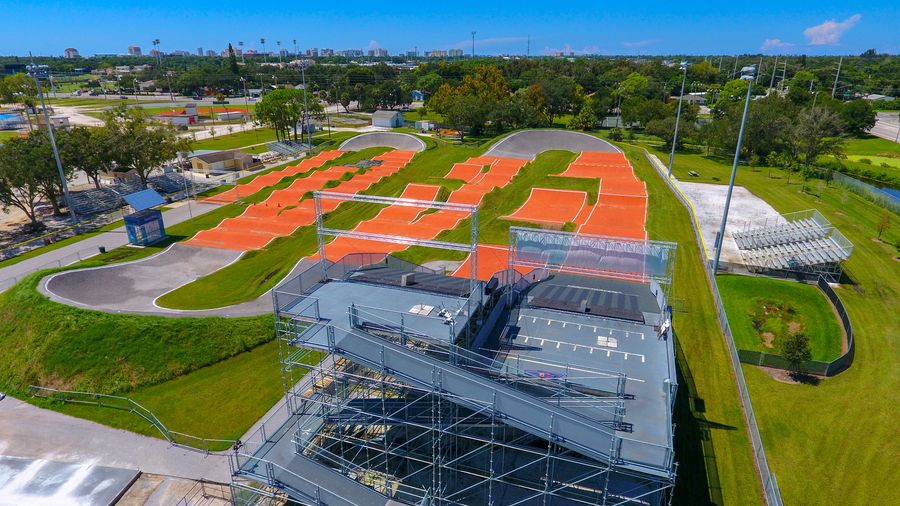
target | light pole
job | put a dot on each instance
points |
(720, 238)
(156, 47)
(304, 123)
(37, 71)
(241, 45)
(265, 56)
(684, 67)
(278, 43)
(473, 44)
(169, 78)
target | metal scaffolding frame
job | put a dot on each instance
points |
(392, 414)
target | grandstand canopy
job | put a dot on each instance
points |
(144, 199)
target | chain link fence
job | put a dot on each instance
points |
(771, 492)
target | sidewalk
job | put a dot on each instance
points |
(88, 247)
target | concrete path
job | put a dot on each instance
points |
(88, 247)
(31, 432)
(887, 126)
(394, 140)
(529, 143)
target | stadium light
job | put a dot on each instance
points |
(747, 74)
(36, 72)
(684, 67)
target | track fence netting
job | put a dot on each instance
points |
(771, 492)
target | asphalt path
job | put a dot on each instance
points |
(529, 143)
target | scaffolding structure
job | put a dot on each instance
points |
(404, 410)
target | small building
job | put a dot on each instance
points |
(190, 108)
(387, 119)
(417, 96)
(145, 225)
(425, 125)
(230, 115)
(179, 118)
(218, 161)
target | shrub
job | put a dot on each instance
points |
(865, 161)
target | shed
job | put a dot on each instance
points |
(217, 161)
(387, 119)
(145, 225)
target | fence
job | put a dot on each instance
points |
(876, 195)
(71, 258)
(179, 439)
(818, 367)
(771, 492)
(49, 238)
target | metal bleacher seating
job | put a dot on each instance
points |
(287, 148)
(800, 241)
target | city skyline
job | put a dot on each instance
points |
(502, 28)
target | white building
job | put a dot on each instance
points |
(387, 119)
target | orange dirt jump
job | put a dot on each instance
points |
(405, 220)
(620, 210)
(286, 210)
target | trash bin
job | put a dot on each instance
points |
(102, 249)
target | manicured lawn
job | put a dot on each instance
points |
(762, 312)
(835, 441)
(235, 140)
(221, 401)
(7, 134)
(871, 145)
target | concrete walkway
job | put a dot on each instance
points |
(31, 432)
(88, 247)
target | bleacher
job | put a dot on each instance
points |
(172, 182)
(803, 241)
(287, 148)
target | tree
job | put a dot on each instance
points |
(89, 150)
(283, 110)
(19, 186)
(704, 72)
(140, 144)
(795, 349)
(232, 60)
(586, 119)
(464, 112)
(815, 133)
(562, 96)
(634, 84)
(883, 223)
(858, 116)
(641, 110)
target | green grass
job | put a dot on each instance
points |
(235, 140)
(221, 401)
(414, 115)
(774, 304)
(845, 423)
(95, 102)
(258, 271)
(7, 134)
(55, 345)
(871, 145)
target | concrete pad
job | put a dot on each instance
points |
(529, 143)
(34, 433)
(394, 140)
(709, 204)
(25, 481)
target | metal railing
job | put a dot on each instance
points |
(771, 492)
(180, 439)
(69, 259)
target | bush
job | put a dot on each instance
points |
(865, 161)
(616, 134)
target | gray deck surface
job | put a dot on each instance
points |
(394, 140)
(27, 481)
(335, 299)
(529, 143)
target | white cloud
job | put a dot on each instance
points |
(775, 44)
(831, 31)
(640, 43)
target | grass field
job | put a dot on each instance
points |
(8, 134)
(817, 428)
(203, 403)
(762, 308)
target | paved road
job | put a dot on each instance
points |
(887, 126)
(89, 247)
(31, 432)
(529, 143)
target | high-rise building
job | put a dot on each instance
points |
(437, 53)
(134, 50)
(199, 51)
(71, 52)
(327, 51)
(210, 52)
(313, 51)
(456, 53)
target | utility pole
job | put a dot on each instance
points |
(241, 45)
(734, 71)
(774, 69)
(528, 49)
(473, 44)
(265, 55)
(684, 67)
(278, 43)
(36, 71)
(836, 76)
(720, 238)
(759, 70)
(783, 75)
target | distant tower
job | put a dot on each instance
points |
(473, 44)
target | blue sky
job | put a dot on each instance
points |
(503, 27)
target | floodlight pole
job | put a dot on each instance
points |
(720, 238)
(34, 71)
(305, 122)
(684, 67)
